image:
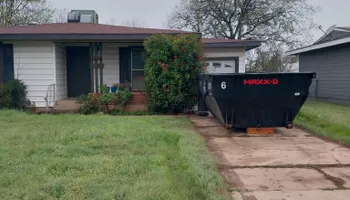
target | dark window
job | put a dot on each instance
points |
(217, 65)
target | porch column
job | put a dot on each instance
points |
(97, 65)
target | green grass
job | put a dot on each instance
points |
(327, 120)
(104, 157)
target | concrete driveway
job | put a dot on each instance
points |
(288, 165)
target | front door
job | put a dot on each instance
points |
(78, 71)
(137, 69)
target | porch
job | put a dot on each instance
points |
(69, 105)
(81, 68)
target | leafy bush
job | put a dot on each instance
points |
(106, 99)
(13, 95)
(82, 98)
(104, 89)
(171, 69)
(101, 102)
(124, 96)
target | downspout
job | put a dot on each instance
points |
(100, 63)
(96, 67)
(92, 89)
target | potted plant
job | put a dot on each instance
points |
(114, 88)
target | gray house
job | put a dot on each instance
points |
(329, 57)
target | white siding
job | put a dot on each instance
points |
(110, 56)
(61, 72)
(228, 52)
(34, 64)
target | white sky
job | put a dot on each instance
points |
(153, 13)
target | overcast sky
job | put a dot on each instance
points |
(153, 13)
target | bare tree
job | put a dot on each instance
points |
(60, 15)
(270, 59)
(274, 21)
(23, 12)
(133, 23)
(130, 23)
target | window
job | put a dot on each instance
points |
(217, 65)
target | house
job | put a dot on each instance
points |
(64, 60)
(329, 57)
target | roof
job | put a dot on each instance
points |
(318, 46)
(342, 37)
(82, 31)
(91, 31)
(217, 42)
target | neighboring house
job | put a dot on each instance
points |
(65, 60)
(329, 57)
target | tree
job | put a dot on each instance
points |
(270, 60)
(23, 12)
(281, 21)
(60, 15)
(130, 23)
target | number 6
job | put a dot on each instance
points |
(223, 85)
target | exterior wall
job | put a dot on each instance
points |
(332, 66)
(110, 56)
(228, 52)
(61, 72)
(34, 64)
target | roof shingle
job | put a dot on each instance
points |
(82, 28)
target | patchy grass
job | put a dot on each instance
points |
(326, 120)
(104, 157)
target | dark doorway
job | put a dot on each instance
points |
(6, 63)
(78, 71)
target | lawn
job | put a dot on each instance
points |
(327, 120)
(104, 157)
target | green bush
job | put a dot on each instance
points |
(124, 96)
(101, 102)
(13, 95)
(82, 98)
(171, 69)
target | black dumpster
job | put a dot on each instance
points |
(254, 100)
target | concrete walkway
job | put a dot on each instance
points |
(290, 165)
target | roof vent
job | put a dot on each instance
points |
(73, 17)
(86, 19)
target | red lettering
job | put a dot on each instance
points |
(247, 82)
(261, 82)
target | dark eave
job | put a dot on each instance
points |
(247, 44)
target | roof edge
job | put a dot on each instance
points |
(318, 46)
(81, 36)
(247, 44)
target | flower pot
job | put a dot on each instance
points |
(113, 89)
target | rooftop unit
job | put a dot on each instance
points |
(82, 16)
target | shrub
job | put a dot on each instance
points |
(90, 105)
(104, 89)
(101, 102)
(13, 95)
(124, 96)
(171, 69)
(82, 98)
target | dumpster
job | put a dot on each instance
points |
(253, 100)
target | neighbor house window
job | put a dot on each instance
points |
(217, 65)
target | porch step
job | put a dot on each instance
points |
(138, 98)
(66, 106)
